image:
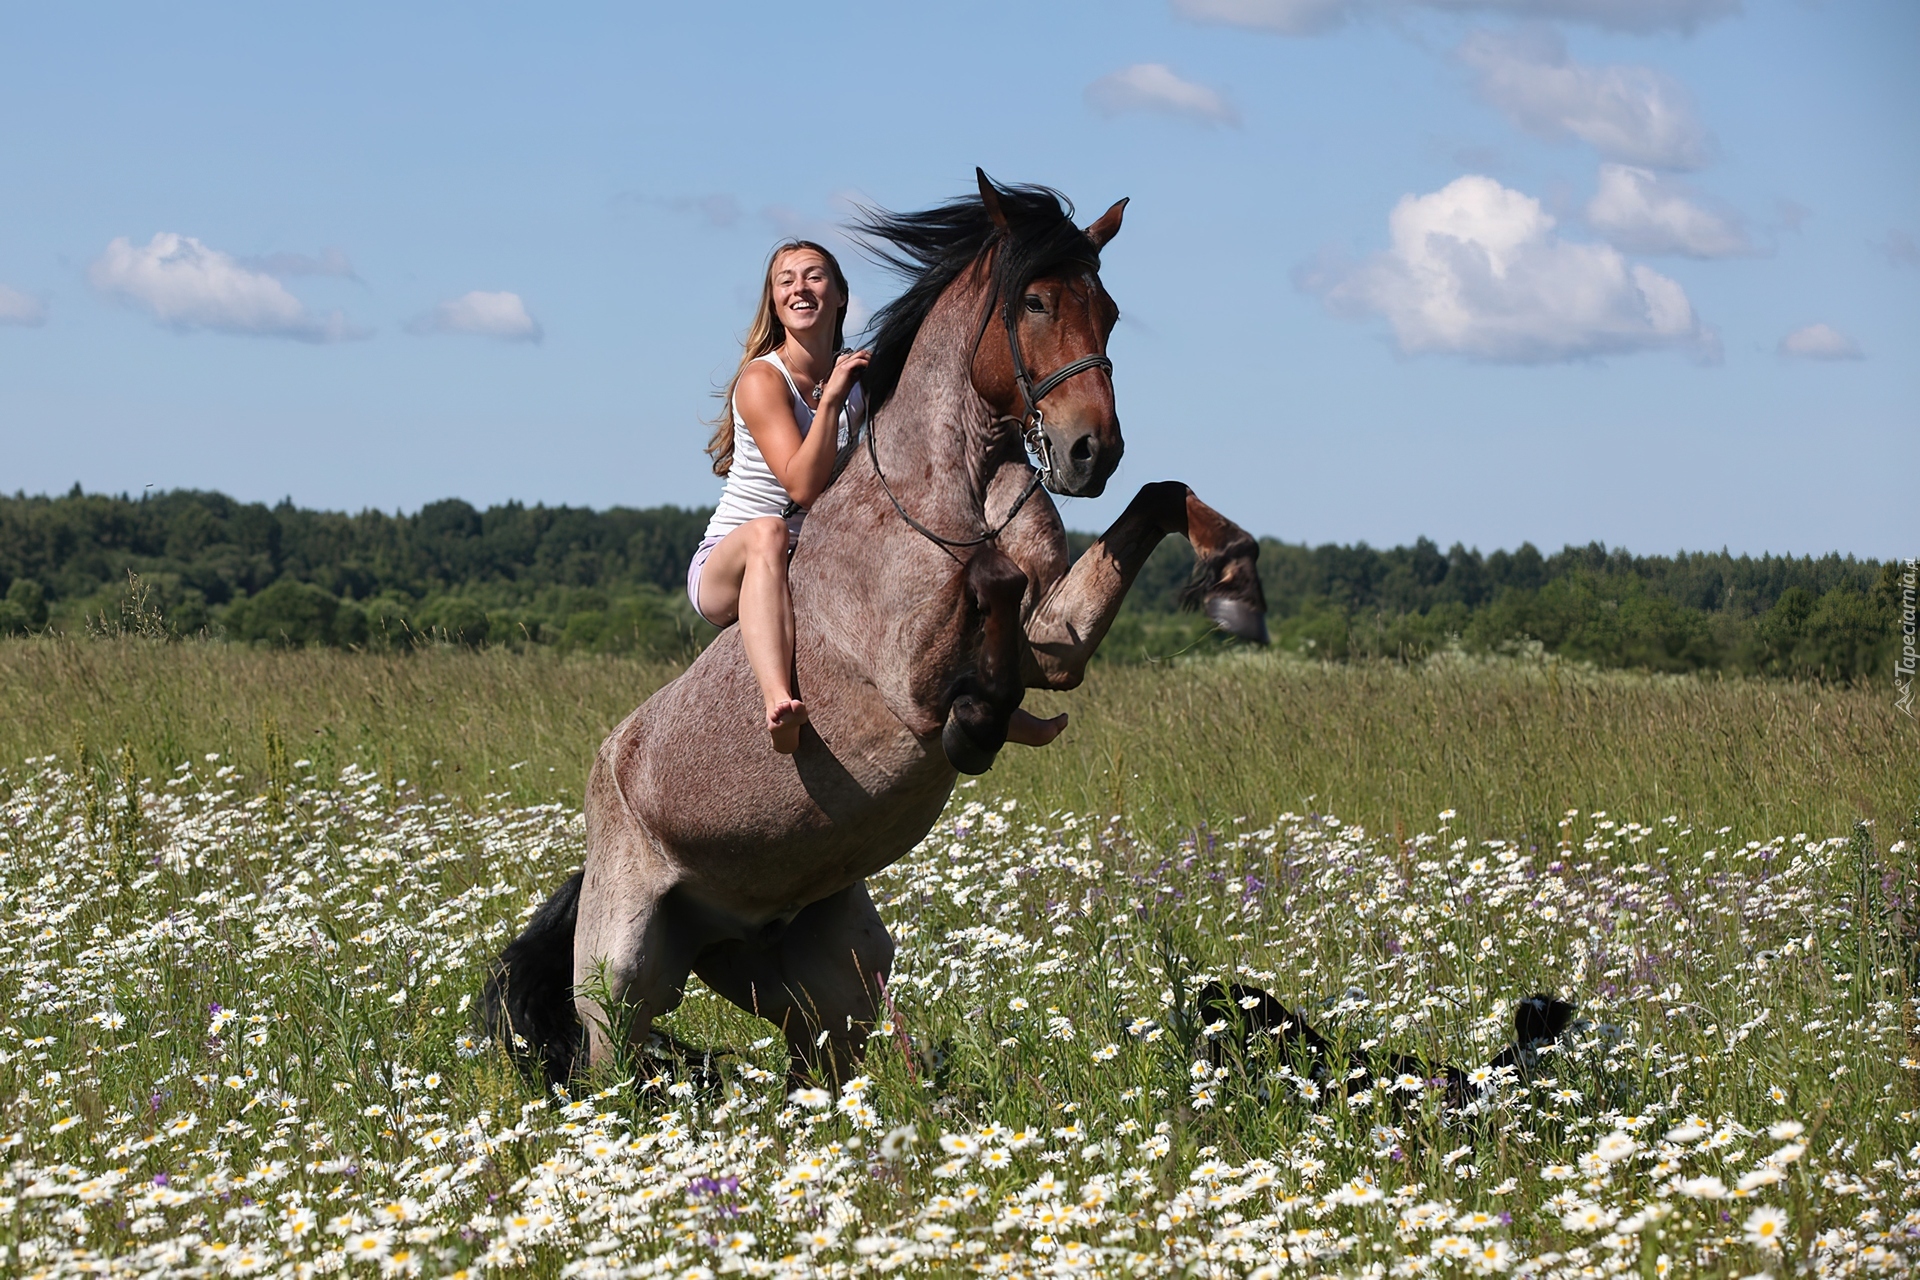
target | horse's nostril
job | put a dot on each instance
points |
(1082, 450)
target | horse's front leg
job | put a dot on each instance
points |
(1071, 619)
(983, 700)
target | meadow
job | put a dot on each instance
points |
(250, 895)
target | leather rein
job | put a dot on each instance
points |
(1032, 424)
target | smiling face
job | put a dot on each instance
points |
(805, 294)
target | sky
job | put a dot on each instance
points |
(1644, 272)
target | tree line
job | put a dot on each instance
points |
(573, 578)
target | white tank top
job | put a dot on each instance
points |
(752, 489)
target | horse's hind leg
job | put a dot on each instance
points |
(631, 958)
(1069, 622)
(631, 950)
(819, 981)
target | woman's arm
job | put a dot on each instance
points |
(802, 466)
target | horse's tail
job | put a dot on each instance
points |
(528, 1001)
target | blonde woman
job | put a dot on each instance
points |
(792, 375)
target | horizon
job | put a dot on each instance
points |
(402, 513)
(1554, 271)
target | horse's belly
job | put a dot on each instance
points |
(758, 834)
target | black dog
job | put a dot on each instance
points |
(1537, 1022)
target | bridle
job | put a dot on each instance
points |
(1032, 424)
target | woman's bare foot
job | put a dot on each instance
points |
(783, 724)
(1030, 730)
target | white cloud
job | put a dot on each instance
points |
(1288, 17)
(487, 315)
(328, 262)
(1313, 17)
(17, 308)
(186, 285)
(1632, 114)
(1642, 212)
(1475, 269)
(1152, 86)
(1820, 342)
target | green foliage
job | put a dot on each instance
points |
(1830, 619)
(296, 614)
(24, 609)
(456, 620)
(602, 581)
(611, 582)
(1826, 619)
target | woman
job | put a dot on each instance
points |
(791, 375)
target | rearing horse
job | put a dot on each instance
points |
(931, 588)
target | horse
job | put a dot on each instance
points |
(932, 587)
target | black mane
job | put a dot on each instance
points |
(933, 247)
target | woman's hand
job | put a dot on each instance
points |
(802, 465)
(847, 367)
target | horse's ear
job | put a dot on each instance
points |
(990, 197)
(1107, 226)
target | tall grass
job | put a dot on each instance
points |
(446, 719)
(1510, 744)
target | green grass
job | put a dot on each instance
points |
(1509, 744)
(446, 719)
(237, 989)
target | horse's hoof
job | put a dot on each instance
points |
(1238, 618)
(963, 753)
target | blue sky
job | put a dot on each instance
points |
(1642, 271)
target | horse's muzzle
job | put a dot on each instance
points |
(973, 735)
(962, 752)
(1082, 460)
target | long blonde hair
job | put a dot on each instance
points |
(766, 335)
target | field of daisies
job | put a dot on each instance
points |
(238, 1038)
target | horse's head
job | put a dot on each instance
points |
(1041, 360)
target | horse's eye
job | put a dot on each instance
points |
(1035, 304)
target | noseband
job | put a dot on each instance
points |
(1032, 425)
(1033, 436)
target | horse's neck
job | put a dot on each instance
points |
(936, 440)
(871, 595)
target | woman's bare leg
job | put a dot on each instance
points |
(746, 578)
(766, 631)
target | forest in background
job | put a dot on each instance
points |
(187, 562)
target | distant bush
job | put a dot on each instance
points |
(24, 608)
(455, 620)
(390, 623)
(296, 614)
(636, 624)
